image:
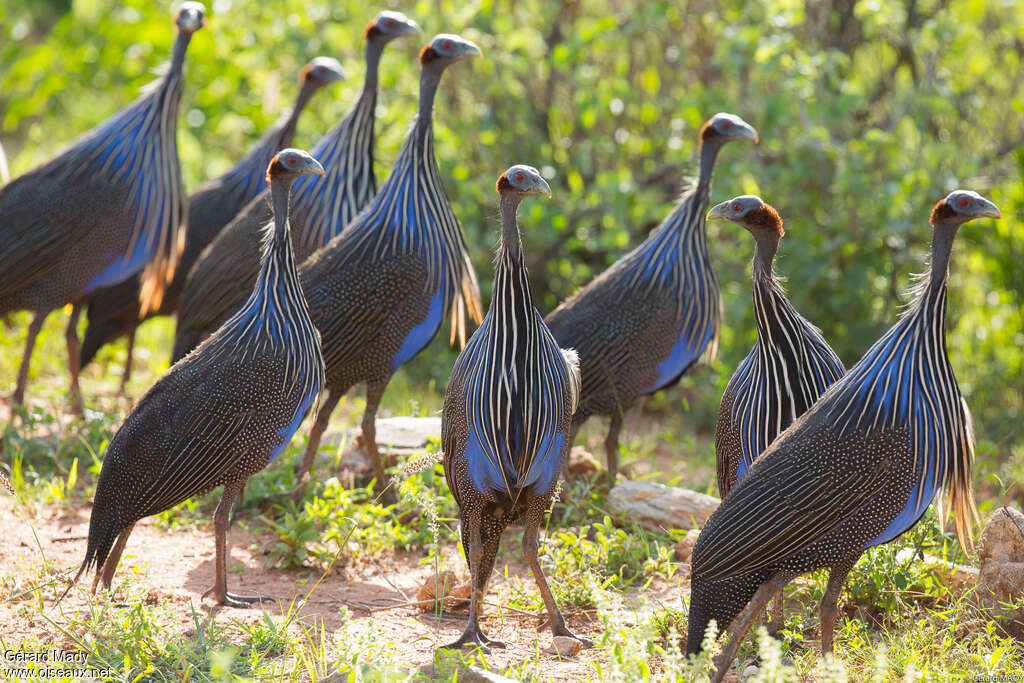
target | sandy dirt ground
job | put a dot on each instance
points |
(176, 567)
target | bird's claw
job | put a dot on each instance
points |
(476, 639)
(237, 601)
(558, 628)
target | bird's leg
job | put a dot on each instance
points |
(531, 529)
(30, 341)
(127, 375)
(374, 392)
(571, 438)
(481, 562)
(221, 523)
(106, 573)
(829, 606)
(323, 417)
(238, 503)
(611, 446)
(724, 660)
(778, 619)
(74, 362)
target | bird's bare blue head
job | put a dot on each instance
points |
(290, 163)
(723, 127)
(961, 206)
(190, 17)
(521, 180)
(321, 71)
(389, 25)
(750, 212)
(446, 49)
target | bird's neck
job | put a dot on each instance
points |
(372, 52)
(287, 130)
(178, 55)
(708, 153)
(430, 80)
(764, 257)
(511, 242)
(943, 235)
(280, 248)
(511, 303)
(770, 303)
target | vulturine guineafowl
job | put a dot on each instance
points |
(114, 311)
(789, 368)
(858, 469)
(380, 291)
(507, 418)
(321, 207)
(221, 414)
(108, 207)
(640, 324)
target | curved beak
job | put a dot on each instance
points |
(335, 75)
(313, 166)
(471, 49)
(409, 28)
(988, 209)
(718, 212)
(745, 130)
(543, 187)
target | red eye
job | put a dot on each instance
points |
(446, 45)
(736, 206)
(963, 202)
(519, 177)
(389, 23)
(726, 125)
(291, 161)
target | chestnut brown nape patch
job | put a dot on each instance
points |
(371, 31)
(428, 54)
(765, 218)
(941, 212)
(274, 168)
(304, 74)
(503, 185)
(708, 132)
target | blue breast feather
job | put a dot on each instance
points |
(486, 474)
(682, 355)
(125, 143)
(890, 386)
(286, 433)
(420, 336)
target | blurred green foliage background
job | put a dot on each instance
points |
(869, 112)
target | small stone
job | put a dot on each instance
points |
(657, 507)
(446, 587)
(685, 546)
(749, 673)
(582, 463)
(564, 646)
(1001, 568)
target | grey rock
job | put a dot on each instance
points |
(1001, 568)
(397, 436)
(657, 507)
(564, 646)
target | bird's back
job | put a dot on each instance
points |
(222, 277)
(52, 230)
(643, 322)
(814, 496)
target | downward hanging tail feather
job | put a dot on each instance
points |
(961, 498)
(159, 272)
